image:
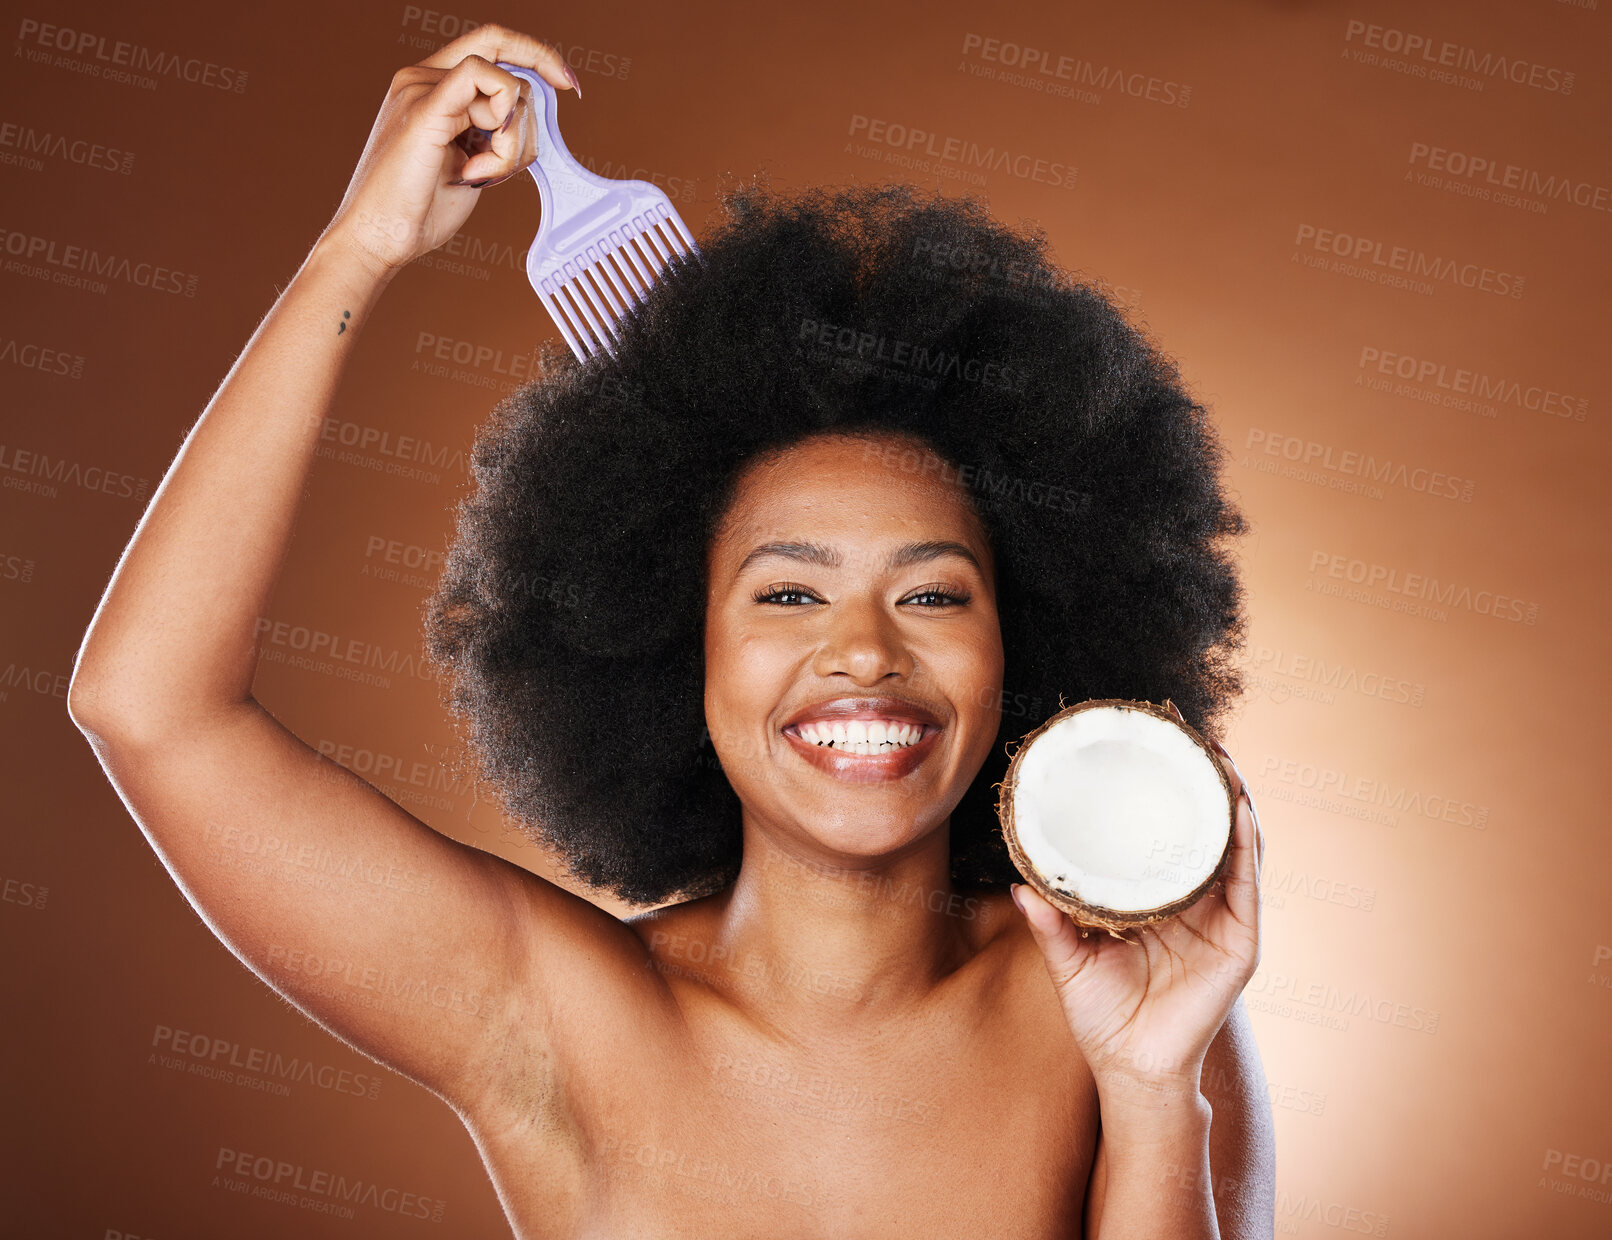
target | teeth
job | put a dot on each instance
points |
(862, 736)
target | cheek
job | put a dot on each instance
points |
(969, 671)
(745, 675)
(970, 653)
(739, 651)
(746, 678)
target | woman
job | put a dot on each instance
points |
(679, 572)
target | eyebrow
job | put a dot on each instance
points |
(827, 557)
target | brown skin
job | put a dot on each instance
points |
(807, 1054)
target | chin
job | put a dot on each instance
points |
(869, 837)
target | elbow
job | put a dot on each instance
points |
(110, 698)
(88, 706)
(104, 712)
(126, 715)
(89, 693)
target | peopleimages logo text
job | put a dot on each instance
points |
(1556, 186)
(47, 37)
(1413, 262)
(1448, 55)
(1041, 62)
(29, 249)
(963, 152)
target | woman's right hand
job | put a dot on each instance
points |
(405, 198)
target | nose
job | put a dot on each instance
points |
(863, 641)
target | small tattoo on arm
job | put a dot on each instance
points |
(341, 327)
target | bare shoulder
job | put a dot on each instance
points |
(1000, 931)
(1007, 974)
(683, 943)
(668, 916)
(576, 922)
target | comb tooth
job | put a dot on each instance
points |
(599, 333)
(579, 320)
(654, 240)
(606, 324)
(582, 283)
(683, 232)
(565, 330)
(608, 263)
(612, 322)
(567, 298)
(623, 275)
(562, 298)
(645, 276)
(565, 315)
(651, 252)
(617, 311)
(641, 262)
(679, 246)
(658, 233)
(672, 239)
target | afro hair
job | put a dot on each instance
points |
(569, 619)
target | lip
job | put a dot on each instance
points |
(865, 708)
(854, 768)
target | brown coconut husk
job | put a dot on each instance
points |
(1091, 917)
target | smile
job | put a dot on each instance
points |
(863, 761)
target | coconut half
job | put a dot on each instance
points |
(1117, 813)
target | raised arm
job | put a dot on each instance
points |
(420, 951)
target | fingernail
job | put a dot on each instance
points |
(571, 76)
(486, 181)
(1013, 890)
(510, 118)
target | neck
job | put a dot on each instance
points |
(839, 939)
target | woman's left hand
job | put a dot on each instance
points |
(1145, 1011)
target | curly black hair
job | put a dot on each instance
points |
(569, 619)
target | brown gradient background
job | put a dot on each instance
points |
(1492, 943)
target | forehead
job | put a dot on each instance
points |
(839, 488)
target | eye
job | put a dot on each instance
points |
(785, 589)
(947, 596)
(785, 593)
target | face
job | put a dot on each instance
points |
(851, 595)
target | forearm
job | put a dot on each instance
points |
(174, 634)
(1156, 1147)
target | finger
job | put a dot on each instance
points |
(1259, 836)
(1233, 775)
(476, 94)
(520, 120)
(1061, 944)
(513, 145)
(493, 42)
(1240, 785)
(1243, 865)
(523, 126)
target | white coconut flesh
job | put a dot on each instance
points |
(1122, 810)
